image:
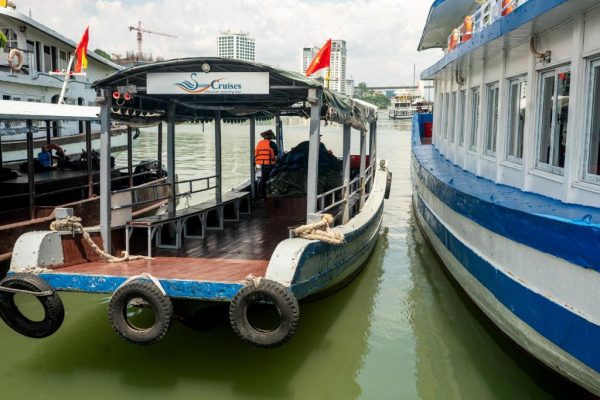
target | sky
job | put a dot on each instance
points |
(381, 35)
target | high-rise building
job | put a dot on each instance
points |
(350, 87)
(238, 46)
(338, 66)
(337, 79)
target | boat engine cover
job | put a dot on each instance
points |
(37, 249)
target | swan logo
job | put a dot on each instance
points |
(192, 86)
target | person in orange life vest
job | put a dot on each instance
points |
(265, 155)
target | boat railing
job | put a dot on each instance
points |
(488, 13)
(157, 195)
(341, 195)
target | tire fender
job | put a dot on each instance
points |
(54, 312)
(277, 294)
(160, 304)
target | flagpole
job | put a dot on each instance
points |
(61, 99)
(327, 77)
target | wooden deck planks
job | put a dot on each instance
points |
(197, 269)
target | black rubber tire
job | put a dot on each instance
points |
(388, 185)
(281, 297)
(54, 311)
(160, 304)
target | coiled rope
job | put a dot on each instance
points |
(321, 230)
(73, 224)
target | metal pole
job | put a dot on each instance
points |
(159, 150)
(130, 155)
(105, 171)
(30, 170)
(363, 165)
(0, 151)
(315, 97)
(252, 159)
(171, 156)
(89, 151)
(346, 169)
(218, 189)
(48, 133)
(279, 134)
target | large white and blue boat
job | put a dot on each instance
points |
(507, 188)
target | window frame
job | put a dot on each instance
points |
(554, 72)
(591, 76)
(15, 42)
(474, 120)
(515, 81)
(460, 123)
(451, 116)
(491, 101)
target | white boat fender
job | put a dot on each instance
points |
(136, 292)
(30, 284)
(260, 291)
(15, 60)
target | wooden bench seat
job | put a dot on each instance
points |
(191, 222)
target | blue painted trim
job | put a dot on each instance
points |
(567, 231)
(522, 15)
(212, 291)
(565, 329)
(316, 283)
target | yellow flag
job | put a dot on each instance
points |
(3, 3)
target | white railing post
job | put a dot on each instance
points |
(346, 169)
(363, 166)
(171, 156)
(219, 188)
(105, 171)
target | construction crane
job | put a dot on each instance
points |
(140, 33)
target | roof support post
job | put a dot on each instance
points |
(0, 151)
(130, 155)
(88, 151)
(159, 150)
(30, 170)
(252, 159)
(346, 169)
(316, 100)
(219, 186)
(279, 134)
(363, 166)
(105, 171)
(48, 132)
(171, 156)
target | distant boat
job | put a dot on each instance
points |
(406, 103)
(508, 194)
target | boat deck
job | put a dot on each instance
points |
(213, 268)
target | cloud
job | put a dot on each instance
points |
(381, 35)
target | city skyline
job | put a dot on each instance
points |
(380, 51)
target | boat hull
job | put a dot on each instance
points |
(311, 267)
(543, 299)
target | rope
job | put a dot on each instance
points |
(73, 224)
(144, 275)
(45, 293)
(321, 231)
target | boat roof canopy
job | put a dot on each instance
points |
(283, 93)
(444, 16)
(22, 110)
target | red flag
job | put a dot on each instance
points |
(322, 59)
(81, 52)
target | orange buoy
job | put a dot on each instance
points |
(453, 40)
(507, 7)
(467, 29)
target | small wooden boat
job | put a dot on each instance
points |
(260, 257)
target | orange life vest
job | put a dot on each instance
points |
(467, 29)
(506, 9)
(264, 153)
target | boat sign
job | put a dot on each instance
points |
(208, 83)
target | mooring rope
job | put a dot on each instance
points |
(73, 224)
(321, 230)
(45, 293)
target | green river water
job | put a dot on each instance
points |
(398, 331)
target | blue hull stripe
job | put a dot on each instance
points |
(572, 333)
(213, 291)
(545, 224)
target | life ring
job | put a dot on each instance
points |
(388, 185)
(15, 60)
(151, 297)
(265, 291)
(54, 311)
